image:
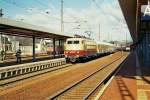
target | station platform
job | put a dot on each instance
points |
(10, 62)
(131, 82)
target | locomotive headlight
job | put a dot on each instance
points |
(77, 56)
(66, 56)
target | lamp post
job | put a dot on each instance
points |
(62, 16)
(99, 32)
(1, 12)
(1, 15)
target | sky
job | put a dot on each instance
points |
(80, 16)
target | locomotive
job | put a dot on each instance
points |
(81, 48)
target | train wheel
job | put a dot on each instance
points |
(73, 60)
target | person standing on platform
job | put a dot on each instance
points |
(18, 56)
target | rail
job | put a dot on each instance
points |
(108, 76)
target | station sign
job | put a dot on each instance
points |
(145, 12)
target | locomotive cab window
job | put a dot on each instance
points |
(73, 42)
(70, 42)
(76, 42)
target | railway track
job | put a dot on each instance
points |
(6, 83)
(50, 84)
(12, 74)
(85, 88)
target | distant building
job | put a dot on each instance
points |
(12, 44)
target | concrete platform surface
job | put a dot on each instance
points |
(132, 82)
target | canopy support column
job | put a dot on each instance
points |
(33, 52)
(54, 50)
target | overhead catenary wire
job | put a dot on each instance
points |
(41, 11)
(100, 8)
(14, 4)
(42, 4)
(46, 5)
(72, 16)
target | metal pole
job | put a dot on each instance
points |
(126, 38)
(1, 15)
(4, 47)
(54, 50)
(33, 52)
(99, 33)
(1, 12)
(59, 49)
(2, 42)
(121, 51)
(62, 15)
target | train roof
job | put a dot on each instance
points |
(105, 43)
(79, 39)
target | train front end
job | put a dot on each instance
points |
(74, 49)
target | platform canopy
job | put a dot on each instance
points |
(131, 10)
(17, 28)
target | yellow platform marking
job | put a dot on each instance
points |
(142, 95)
(140, 82)
(144, 90)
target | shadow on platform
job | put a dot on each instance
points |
(128, 74)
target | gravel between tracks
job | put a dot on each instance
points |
(47, 84)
